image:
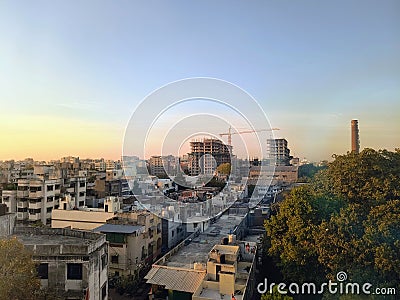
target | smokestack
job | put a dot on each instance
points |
(355, 138)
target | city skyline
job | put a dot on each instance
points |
(73, 74)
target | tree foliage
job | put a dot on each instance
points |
(308, 171)
(18, 278)
(347, 219)
(224, 169)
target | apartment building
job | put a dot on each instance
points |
(36, 198)
(278, 152)
(156, 166)
(134, 241)
(76, 188)
(72, 263)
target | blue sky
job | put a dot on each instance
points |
(73, 72)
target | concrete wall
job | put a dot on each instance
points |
(88, 250)
(7, 223)
(86, 220)
(226, 283)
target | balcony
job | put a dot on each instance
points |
(37, 194)
(34, 217)
(22, 194)
(22, 204)
(22, 215)
(35, 205)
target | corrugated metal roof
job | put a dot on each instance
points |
(176, 279)
(113, 228)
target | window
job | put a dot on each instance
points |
(49, 209)
(81, 194)
(43, 271)
(104, 291)
(103, 261)
(33, 211)
(50, 199)
(50, 188)
(74, 271)
(82, 184)
(57, 187)
(114, 259)
(115, 238)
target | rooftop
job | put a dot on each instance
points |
(198, 249)
(176, 279)
(58, 241)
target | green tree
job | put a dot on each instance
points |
(369, 178)
(346, 219)
(308, 171)
(291, 236)
(18, 277)
(224, 169)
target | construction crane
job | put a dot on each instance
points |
(230, 133)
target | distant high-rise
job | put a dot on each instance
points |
(278, 150)
(355, 138)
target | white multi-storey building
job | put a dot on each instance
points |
(9, 198)
(36, 198)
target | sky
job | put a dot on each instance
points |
(72, 73)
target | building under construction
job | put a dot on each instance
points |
(355, 137)
(207, 154)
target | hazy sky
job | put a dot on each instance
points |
(72, 72)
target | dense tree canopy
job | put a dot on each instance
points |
(347, 219)
(18, 278)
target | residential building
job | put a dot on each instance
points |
(36, 198)
(76, 188)
(68, 215)
(117, 187)
(9, 198)
(278, 152)
(214, 264)
(71, 263)
(206, 155)
(172, 234)
(156, 166)
(163, 165)
(279, 175)
(135, 241)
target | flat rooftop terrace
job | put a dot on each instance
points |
(198, 249)
(51, 240)
(59, 241)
